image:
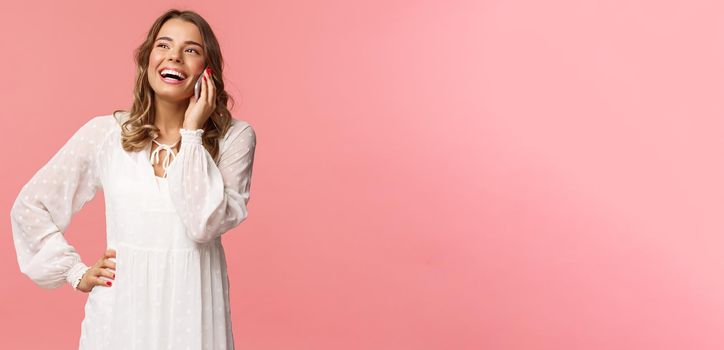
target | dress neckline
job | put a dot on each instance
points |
(154, 156)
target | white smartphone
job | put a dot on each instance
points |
(197, 86)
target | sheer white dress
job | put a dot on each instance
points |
(171, 288)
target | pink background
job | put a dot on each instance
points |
(429, 174)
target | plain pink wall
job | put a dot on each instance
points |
(429, 174)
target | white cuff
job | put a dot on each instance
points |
(191, 136)
(76, 274)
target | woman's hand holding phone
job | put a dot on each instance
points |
(202, 105)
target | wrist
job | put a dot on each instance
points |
(191, 126)
(76, 280)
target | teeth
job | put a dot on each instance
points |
(171, 71)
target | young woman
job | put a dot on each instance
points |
(175, 171)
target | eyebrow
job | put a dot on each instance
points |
(185, 42)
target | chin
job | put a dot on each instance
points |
(169, 93)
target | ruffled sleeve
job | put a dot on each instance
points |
(45, 205)
(209, 198)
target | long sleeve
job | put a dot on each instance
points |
(211, 199)
(44, 207)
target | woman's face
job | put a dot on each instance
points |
(178, 47)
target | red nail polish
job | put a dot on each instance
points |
(204, 78)
(109, 283)
(114, 275)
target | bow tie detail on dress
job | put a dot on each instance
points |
(166, 160)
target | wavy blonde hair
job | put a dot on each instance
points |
(138, 129)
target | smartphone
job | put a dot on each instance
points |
(197, 86)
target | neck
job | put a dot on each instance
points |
(169, 116)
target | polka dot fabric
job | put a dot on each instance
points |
(44, 207)
(171, 289)
(212, 198)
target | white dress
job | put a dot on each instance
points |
(171, 288)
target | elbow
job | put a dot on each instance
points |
(212, 231)
(200, 237)
(14, 209)
(22, 206)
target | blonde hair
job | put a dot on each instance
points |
(138, 129)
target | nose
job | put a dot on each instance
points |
(173, 56)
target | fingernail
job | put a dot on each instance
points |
(109, 283)
(114, 275)
(204, 78)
